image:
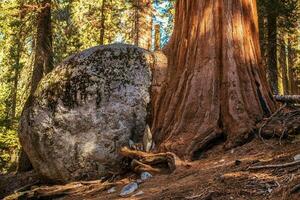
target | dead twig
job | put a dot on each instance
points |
(267, 121)
(194, 197)
(276, 165)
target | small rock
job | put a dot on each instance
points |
(139, 181)
(145, 176)
(297, 157)
(129, 188)
(111, 190)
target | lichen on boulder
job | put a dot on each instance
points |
(85, 110)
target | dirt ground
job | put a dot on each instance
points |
(217, 175)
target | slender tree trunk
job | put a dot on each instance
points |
(272, 45)
(215, 85)
(102, 30)
(262, 33)
(283, 66)
(143, 23)
(157, 37)
(43, 63)
(291, 63)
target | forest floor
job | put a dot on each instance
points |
(217, 175)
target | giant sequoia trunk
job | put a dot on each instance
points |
(215, 87)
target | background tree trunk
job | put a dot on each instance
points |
(102, 30)
(283, 66)
(157, 37)
(215, 85)
(143, 24)
(291, 66)
(272, 44)
(43, 63)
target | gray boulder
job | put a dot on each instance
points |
(92, 104)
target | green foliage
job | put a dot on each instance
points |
(15, 32)
(9, 147)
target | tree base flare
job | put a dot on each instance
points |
(213, 92)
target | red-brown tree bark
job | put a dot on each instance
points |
(215, 86)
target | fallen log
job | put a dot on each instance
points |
(287, 98)
(156, 163)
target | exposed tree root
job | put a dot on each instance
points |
(157, 163)
(59, 191)
(200, 145)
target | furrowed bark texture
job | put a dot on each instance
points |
(215, 86)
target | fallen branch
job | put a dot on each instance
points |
(276, 165)
(59, 191)
(267, 121)
(26, 187)
(287, 98)
(150, 162)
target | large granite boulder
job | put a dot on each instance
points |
(85, 110)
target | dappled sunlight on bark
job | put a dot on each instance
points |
(215, 86)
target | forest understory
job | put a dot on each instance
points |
(268, 167)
